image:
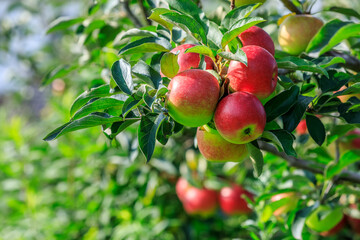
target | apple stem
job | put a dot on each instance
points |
(232, 4)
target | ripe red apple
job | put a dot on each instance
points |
(353, 218)
(192, 97)
(232, 200)
(296, 31)
(301, 129)
(259, 77)
(239, 3)
(257, 36)
(215, 148)
(351, 140)
(190, 60)
(290, 205)
(181, 187)
(240, 118)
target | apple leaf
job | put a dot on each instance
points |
(256, 157)
(346, 11)
(338, 131)
(346, 159)
(187, 7)
(214, 35)
(121, 72)
(239, 56)
(138, 33)
(144, 45)
(294, 63)
(327, 61)
(350, 116)
(169, 64)
(316, 129)
(272, 137)
(155, 16)
(335, 81)
(286, 140)
(147, 132)
(353, 89)
(147, 74)
(201, 50)
(299, 220)
(118, 127)
(58, 72)
(238, 28)
(281, 103)
(237, 14)
(63, 23)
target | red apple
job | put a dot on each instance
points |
(301, 129)
(353, 218)
(240, 118)
(232, 200)
(257, 36)
(259, 77)
(296, 31)
(192, 97)
(290, 205)
(181, 187)
(355, 143)
(215, 148)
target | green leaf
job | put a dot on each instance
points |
(121, 72)
(188, 24)
(169, 64)
(350, 116)
(237, 14)
(58, 72)
(92, 120)
(346, 159)
(299, 220)
(272, 137)
(94, 24)
(63, 23)
(325, 62)
(239, 56)
(187, 7)
(238, 28)
(118, 127)
(138, 33)
(281, 103)
(206, 51)
(131, 103)
(256, 157)
(292, 118)
(294, 63)
(147, 74)
(144, 45)
(307, 87)
(286, 140)
(325, 34)
(102, 91)
(165, 131)
(353, 89)
(346, 11)
(214, 35)
(316, 129)
(332, 83)
(147, 131)
(155, 16)
(338, 131)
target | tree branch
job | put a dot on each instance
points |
(289, 5)
(143, 10)
(351, 62)
(345, 175)
(130, 14)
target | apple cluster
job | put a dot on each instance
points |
(204, 202)
(226, 122)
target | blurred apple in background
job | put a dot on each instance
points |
(232, 200)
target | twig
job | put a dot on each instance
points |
(289, 5)
(130, 13)
(345, 175)
(143, 10)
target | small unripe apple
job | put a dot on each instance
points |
(239, 3)
(329, 218)
(232, 200)
(215, 148)
(290, 205)
(296, 31)
(353, 218)
(301, 129)
(192, 97)
(259, 77)
(257, 36)
(240, 118)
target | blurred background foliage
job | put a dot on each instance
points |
(82, 186)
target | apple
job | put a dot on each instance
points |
(239, 3)
(181, 187)
(324, 218)
(301, 129)
(259, 77)
(289, 205)
(353, 218)
(232, 200)
(192, 97)
(351, 140)
(344, 98)
(240, 118)
(215, 148)
(257, 36)
(296, 31)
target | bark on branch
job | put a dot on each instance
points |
(345, 175)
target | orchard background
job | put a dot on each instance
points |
(91, 184)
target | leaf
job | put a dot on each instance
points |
(237, 14)
(58, 72)
(101, 91)
(94, 24)
(334, 82)
(92, 120)
(63, 23)
(346, 159)
(206, 51)
(165, 131)
(325, 34)
(169, 64)
(299, 220)
(316, 129)
(286, 140)
(118, 127)
(256, 157)
(307, 87)
(281, 103)
(325, 62)
(131, 103)
(338, 131)
(138, 33)
(349, 12)
(294, 63)
(214, 35)
(238, 28)
(155, 16)
(121, 72)
(353, 89)
(144, 45)
(147, 132)
(292, 118)
(239, 56)
(350, 116)
(272, 137)
(96, 106)
(187, 7)
(188, 24)
(147, 74)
